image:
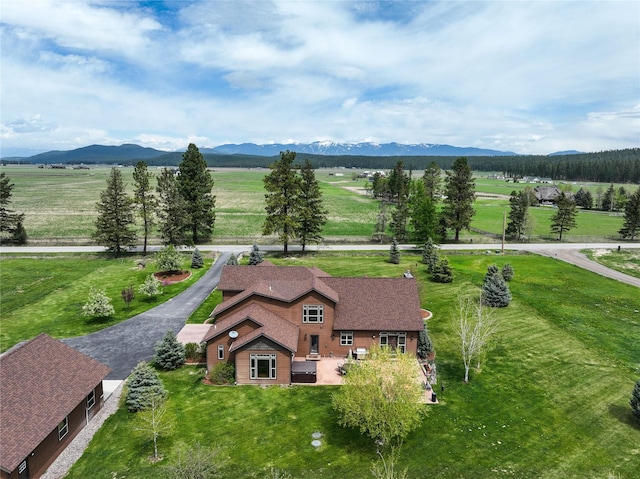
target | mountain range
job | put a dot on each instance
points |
(115, 154)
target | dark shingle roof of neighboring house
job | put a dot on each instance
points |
(383, 304)
(41, 382)
(271, 325)
(546, 193)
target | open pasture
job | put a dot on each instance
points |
(549, 401)
(60, 207)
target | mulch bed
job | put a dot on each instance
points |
(170, 277)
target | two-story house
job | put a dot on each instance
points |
(271, 314)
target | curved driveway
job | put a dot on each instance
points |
(125, 344)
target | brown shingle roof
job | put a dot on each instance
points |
(272, 326)
(284, 283)
(41, 382)
(383, 304)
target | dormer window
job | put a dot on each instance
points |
(313, 313)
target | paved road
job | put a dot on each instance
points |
(123, 345)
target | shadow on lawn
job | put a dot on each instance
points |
(624, 415)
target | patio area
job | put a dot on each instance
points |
(326, 371)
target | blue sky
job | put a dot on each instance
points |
(523, 76)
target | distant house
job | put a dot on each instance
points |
(48, 393)
(547, 195)
(272, 314)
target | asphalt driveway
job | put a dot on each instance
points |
(124, 345)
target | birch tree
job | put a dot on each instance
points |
(153, 421)
(474, 325)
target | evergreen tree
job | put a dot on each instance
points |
(635, 400)
(144, 199)
(495, 291)
(631, 226)
(169, 353)
(565, 217)
(442, 272)
(381, 222)
(171, 211)
(519, 205)
(583, 199)
(430, 255)
(282, 199)
(399, 218)
(114, 225)
(255, 257)
(620, 199)
(312, 214)
(394, 252)
(425, 346)
(460, 195)
(232, 261)
(142, 385)
(196, 259)
(507, 272)
(398, 182)
(195, 184)
(608, 199)
(11, 224)
(432, 181)
(423, 213)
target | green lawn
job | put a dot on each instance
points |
(45, 294)
(551, 399)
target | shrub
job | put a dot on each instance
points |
(255, 257)
(442, 272)
(635, 400)
(425, 346)
(143, 385)
(98, 305)
(232, 261)
(194, 351)
(169, 259)
(19, 236)
(196, 259)
(394, 252)
(507, 272)
(222, 373)
(169, 352)
(150, 287)
(127, 295)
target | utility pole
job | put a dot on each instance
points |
(504, 227)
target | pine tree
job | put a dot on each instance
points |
(631, 226)
(507, 272)
(460, 195)
(495, 291)
(143, 385)
(432, 181)
(425, 346)
(255, 257)
(10, 222)
(430, 255)
(565, 217)
(394, 252)
(114, 225)
(422, 211)
(171, 210)
(195, 185)
(169, 353)
(312, 214)
(635, 400)
(282, 200)
(442, 272)
(399, 219)
(519, 205)
(609, 199)
(196, 259)
(144, 199)
(232, 261)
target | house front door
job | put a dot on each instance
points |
(314, 343)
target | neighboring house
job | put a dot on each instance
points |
(48, 393)
(547, 195)
(271, 314)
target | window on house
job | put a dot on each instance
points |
(346, 338)
(63, 428)
(91, 399)
(263, 366)
(312, 313)
(395, 341)
(220, 351)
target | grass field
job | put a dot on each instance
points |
(551, 399)
(60, 206)
(626, 261)
(46, 294)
